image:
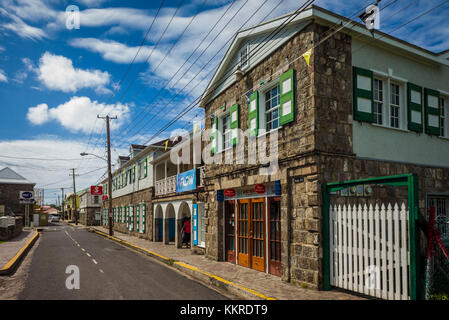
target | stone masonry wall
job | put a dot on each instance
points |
(144, 196)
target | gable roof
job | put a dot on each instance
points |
(9, 176)
(311, 13)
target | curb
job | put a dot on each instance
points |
(198, 274)
(12, 264)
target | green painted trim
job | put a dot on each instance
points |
(411, 181)
(432, 111)
(289, 96)
(235, 124)
(360, 115)
(254, 114)
(413, 126)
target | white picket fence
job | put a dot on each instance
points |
(369, 250)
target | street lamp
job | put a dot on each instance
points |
(111, 232)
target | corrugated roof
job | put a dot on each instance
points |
(7, 175)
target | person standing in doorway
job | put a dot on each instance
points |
(186, 232)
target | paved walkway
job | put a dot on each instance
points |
(10, 248)
(263, 283)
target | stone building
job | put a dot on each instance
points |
(11, 183)
(359, 108)
(89, 208)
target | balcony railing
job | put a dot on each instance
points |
(166, 186)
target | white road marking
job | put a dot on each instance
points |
(94, 261)
(78, 244)
(83, 249)
(88, 254)
(101, 271)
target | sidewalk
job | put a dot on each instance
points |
(11, 249)
(253, 284)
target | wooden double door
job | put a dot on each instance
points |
(251, 235)
(245, 233)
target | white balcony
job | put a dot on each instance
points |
(165, 186)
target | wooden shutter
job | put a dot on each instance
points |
(253, 114)
(214, 137)
(234, 114)
(414, 101)
(287, 97)
(144, 218)
(363, 94)
(145, 167)
(132, 218)
(138, 217)
(127, 217)
(432, 111)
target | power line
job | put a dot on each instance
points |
(193, 52)
(211, 59)
(43, 159)
(130, 65)
(199, 98)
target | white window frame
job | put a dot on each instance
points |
(383, 111)
(245, 51)
(402, 83)
(262, 114)
(221, 133)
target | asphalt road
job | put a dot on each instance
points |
(107, 271)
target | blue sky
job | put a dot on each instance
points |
(55, 80)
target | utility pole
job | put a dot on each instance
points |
(62, 204)
(111, 232)
(74, 192)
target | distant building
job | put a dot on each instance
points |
(89, 208)
(11, 183)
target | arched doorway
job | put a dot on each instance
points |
(169, 227)
(158, 224)
(183, 212)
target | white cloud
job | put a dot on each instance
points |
(92, 3)
(79, 114)
(112, 50)
(39, 114)
(3, 77)
(44, 172)
(21, 28)
(57, 73)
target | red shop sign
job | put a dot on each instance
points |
(259, 188)
(105, 197)
(229, 193)
(96, 190)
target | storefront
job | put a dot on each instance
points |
(252, 231)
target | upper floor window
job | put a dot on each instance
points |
(395, 106)
(243, 55)
(272, 100)
(378, 101)
(96, 199)
(225, 129)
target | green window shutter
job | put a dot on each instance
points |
(234, 113)
(144, 218)
(287, 97)
(253, 114)
(414, 100)
(214, 137)
(134, 173)
(432, 111)
(145, 167)
(138, 218)
(363, 94)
